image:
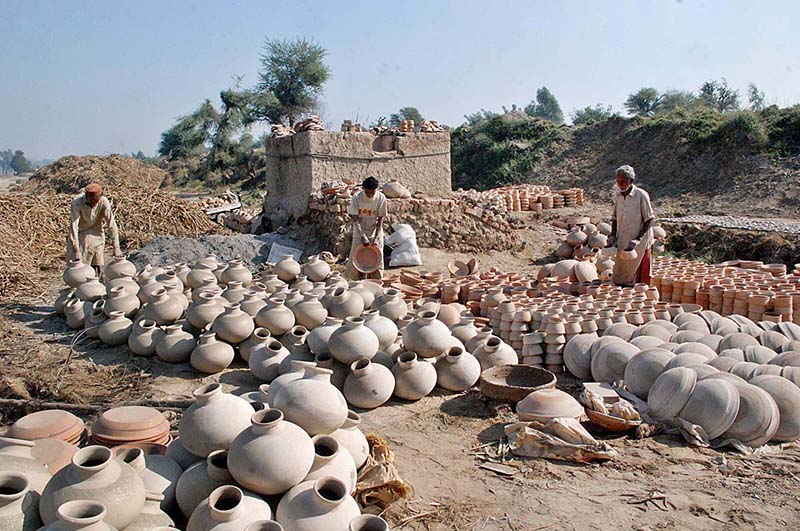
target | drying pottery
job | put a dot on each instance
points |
(608, 364)
(309, 312)
(643, 369)
(670, 392)
(19, 506)
(363, 291)
(77, 273)
(202, 312)
(368, 385)
(457, 370)
(312, 402)
(577, 355)
(713, 405)
(114, 332)
(17, 458)
(413, 378)
(494, 353)
(758, 417)
(181, 455)
(333, 460)
(368, 522)
(258, 339)
(199, 276)
(321, 505)
(758, 354)
(64, 295)
(295, 372)
(786, 359)
(234, 292)
(297, 334)
(159, 473)
(623, 331)
(162, 308)
(383, 327)
(299, 351)
(686, 359)
(656, 330)
(287, 269)
(228, 508)
(345, 303)
(449, 314)
(272, 455)
(252, 303)
(787, 397)
(737, 340)
(426, 336)
(120, 300)
(94, 319)
(353, 341)
(646, 342)
(211, 356)
(512, 383)
(237, 272)
(390, 304)
(465, 329)
(319, 337)
(276, 317)
(233, 325)
(352, 438)
(81, 515)
(75, 311)
(546, 404)
(265, 360)
(315, 269)
(176, 345)
(340, 370)
(152, 516)
(214, 420)
(200, 479)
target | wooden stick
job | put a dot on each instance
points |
(171, 405)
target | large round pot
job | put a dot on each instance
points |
(64, 295)
(211, 356)
(272, 455)
(345, 303)
(175, 345)
(713, 405)
(321, 505)
(493, 353)
(333, 460)
(257, 339)
(643, 369)
(16, 457)
(115, 331)
(296, 371)
(385, 329)
(319, 337)
(457, 370)
(152, 516)
(200, 479)
(608, 364)
(353, 341)
(352, 438)
(309, 312)
(276, 317)
(94, 319)
(427, 336)
(787, 397)
(670, 392)
(81, 515)
(758, 417)
(252, 303)
(316, 270)
(214, 420)
(465, 329)
(287, 269)
(91, 290)
(159, 473)
(234, 292)
(228, 508)
(577, 355)
(77, 273)
(368, 385)
(233, 325)
(202, 312)
(162, 308)
(298, 351)
(200, 275)
(413, 378)
(265, 360)
(19, 506)
(390, 304)
(237, 272)
(119, 300)
(366, 294)
(312, 402)
(546, 404)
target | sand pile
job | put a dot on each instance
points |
(69, 175)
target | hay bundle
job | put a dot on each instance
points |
(70, 175)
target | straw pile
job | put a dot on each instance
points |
(70, 175)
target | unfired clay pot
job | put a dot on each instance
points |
(120, 300)
(758, 417)
(203, 312)
(368, 522)
(162, 308)
(332, 459)
(81, 515)
(353, 341)
(214, 420)
(545, 404)
(390, 304)
(577, 355)
(312, 402)
(115, 331)
(96, 476)
(19, 506)
(233, 325)
(176, 345)
(252, 303)
(94, 319)
(211, 356)
(61, 301)
(643, 369)
(457, 370)
(159, 473)
(309, 312)
(77, 273)
(151, 517)
(237, 272)
(465, 329)
(413, 378)
(608, 363)
(787, 397)
(427, 336)
(16, 458)
(199, 275)
(257, 339)
(272, 455)
(494, 353)
(287, 269)
(352, 438)
(228, 508)
(295, 372)
(265, 360)
(321, 505)
(670, 392)
(318, 338)
(363, 291)
(200, 480)
(712, 405)
(298, 351)
(368, 385)
(276, 317)
(344, 303)
(385, 329)
(316, 270)
(91, 290)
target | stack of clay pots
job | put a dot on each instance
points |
(131, 425)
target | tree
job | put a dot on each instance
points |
(291, 79)
(478, 117)
(645, 102)
(589, 115)
(5, 160)
(755, 97)
(19, 164)
(546, 107)
(719, 95)
(190, 134)
(405, 113)
(673, 100)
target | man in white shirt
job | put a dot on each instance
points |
(367, 209)
(631, 229)
(90, 213)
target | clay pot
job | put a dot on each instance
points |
(670, 392)
(287, 269)
(643, 369)
(353, 341)
(297, 334)
(758, 354)
(623, 331)
(413, 378)
(152, 516)
(91, 290)
(201, 479)
(316, 270)
(577, 355)
(200, 275)
(309, 312)
(546, 404)
(368, 522)
(203, 312)
(319, 337)
(276, 317)
(698, 348)
(77, 273)
(351, 437)
(344, 303)
(181, 455)
(19, 506)
(340, 370)
(465, 329)
(211, 356)
(169, 279)
(257, 339)
(228, 508)
(115, 331)
(237, 272)
(713, 405)
(159, 473)
(312, 402)
(96, 476)
(146, 290)
(480, 338)
(321, 505)
(357, 287)
(263, 525)
(214, 420)
(390, 304)
(17, 458)
(608, 364)
(368, 385)
(94, 319)
(494, 353)
(738, 340)
(120, 300)
(449, 314)
(175, 345)
(332, 460)
(299, 351)
(252, 303)
(81, 515)
(427, 336)
(272, 455)
(61, 301)
(162, 308)
(757, 419)
(686, 359)
(265, 360)
(787, 397)
(234, 292)
(295, 372)
(233, 325)
(457, 370)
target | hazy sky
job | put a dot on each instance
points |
(81, 77)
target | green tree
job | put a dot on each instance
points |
(5, 160)
(644, 102)
(546, 106)
(291, 79)
(191, 134)
(755, 97)
(719, 95)
(19, 164)
(405, 113)
(478, 117)
(589, 115)
(673, 100)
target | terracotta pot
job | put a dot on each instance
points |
(340, 370)
(228, 508)
(61, 301)
(353, 341)
(203, 312)
(383, 327)
(175, 345)
(169, 279)
(200, 479)
(233, 325)
(427, 336)
(479, 339)
(309, 312)
(312, 402)
(352, 438)
(234, 292)
(345, 303)
(368, 522)
(211, 356)
(17, 458)
(302, 284)
(237, 272)
(315, 269)
(712, 405)
(265, 360)
(146, 289)
(276, 317)
(390, 304)
(319, 337)
(264, 525)
(494, 353)
(332, 460)
(272, 455)
(96, 476)
(457, 370)
(120, 300)
(162, 308)
(368, 385)
(758, 417)
(77, 273)
(19, 506)
(321, 505)
(413, 378)
(287, 269)
(297, 334)
(91, 290)
(214, 420)
(546, 404)
(577, 355)
(81, 515)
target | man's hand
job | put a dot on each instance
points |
(118, 253)
(631, 246)
(364, 240)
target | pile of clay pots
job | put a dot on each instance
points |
(735, 378)
(236, 465)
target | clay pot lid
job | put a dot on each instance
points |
(117, 437)
(130, 418)
(54, 423)
(54, 453)
(546, 404)
(367, 258)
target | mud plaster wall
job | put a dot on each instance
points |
(297, 165)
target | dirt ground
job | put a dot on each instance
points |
(438, 440)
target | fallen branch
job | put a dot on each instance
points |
(38, 405)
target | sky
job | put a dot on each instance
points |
(99, 77)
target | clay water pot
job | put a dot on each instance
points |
(202, 312)
(757, 419)
(175, 345)
(252, 303)
(152, 516)
(353, 341)
(120, 300)
(182, 271)
(147, 273)
(309, 312)
(257, 339)
(200, 275)
(237, 272)
(332, 460)
(276, 317)
(208, 261)
(61, 301)
(17, 458)
(91, 290)
(321, 505)
(234, 292)
(228, 508)
(357, 287)
(315, 269)
(643, 369)
(295, 372)
(299, 351)
(577, 355)
(670, 392)
(713, 405)
(211, 356)
(81, 515)
(427, 336)
(159, 473)
(214, 420)
(545, 404)
(383, 327)
(162, 308)
(390, 304)
(319, 337)
(368, 522)
(479, 339)
(457, 370)
(287, 269)
(494, 353)
(77, 273)
(351, 437)
(786, 359)
(340, 370)
(686, 359)
(263, 525)
(19, 506)
(95, 475)
(773, 340)
(623, 331)
(758, 354)
(787, 397)
(368, 385)
(303, 284)
(413, 378)
(200, 479)
(465, 329)
(115, 331)
(312, 402)
(344, 303)
(233, 325)
(272, 455)
(94, 319)
(697, 348)
(265, 360)
(169, 279)
(146, 289)
(564, 250)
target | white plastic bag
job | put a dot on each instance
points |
(403, 242)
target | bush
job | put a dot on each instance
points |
(741, 130)
(783, 130)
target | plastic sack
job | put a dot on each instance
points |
(403, 242)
